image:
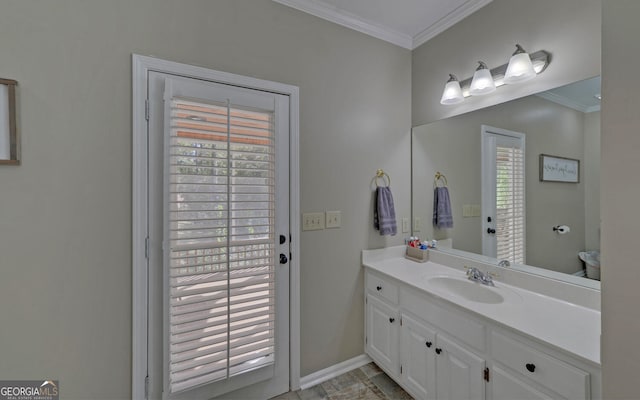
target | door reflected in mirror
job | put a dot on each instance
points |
(564, 122)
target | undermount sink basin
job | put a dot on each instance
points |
(467, 289)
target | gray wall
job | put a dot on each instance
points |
(452, 146)
(65, 242)
(592, 172)
(620, 196)
(569, 29)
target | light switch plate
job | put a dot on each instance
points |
(405, 225)
(312, 221)
(334, 219)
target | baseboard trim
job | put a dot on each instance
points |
(333, 371)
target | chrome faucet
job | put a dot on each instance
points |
(476, 275)
(504, 263)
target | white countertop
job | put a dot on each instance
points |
(567, 326)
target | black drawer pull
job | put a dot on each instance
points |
(428, 344)
(378, 288)
(531, 367)
(391, 320)
(438, 351)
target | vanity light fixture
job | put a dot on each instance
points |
(482, 82)
(452, 92)
(499, 76)
(520, 67)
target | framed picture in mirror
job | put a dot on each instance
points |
(559, 169)
(9, 138)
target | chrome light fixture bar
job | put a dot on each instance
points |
(540, 60)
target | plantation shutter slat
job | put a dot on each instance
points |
(221, 218)
(510, 192)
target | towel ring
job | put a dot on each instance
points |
(439, 177)
(380, 174)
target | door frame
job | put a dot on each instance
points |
(489, 166)
(141, 67)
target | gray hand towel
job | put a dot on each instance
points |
(384, 213)
(442, 216)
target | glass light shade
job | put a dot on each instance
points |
(482, 82)
(520, 69)
(452, 93)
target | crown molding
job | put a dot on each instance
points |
(563, 101)
(448, 21)
(350, 21)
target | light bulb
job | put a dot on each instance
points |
(482, 82)
(452, 93)
(520, 67)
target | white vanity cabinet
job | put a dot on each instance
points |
(383, 323)
(437, 350)
(427, 363)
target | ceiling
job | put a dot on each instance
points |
(582, 96)
(406, 23)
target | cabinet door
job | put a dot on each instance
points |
(417, 357)
(460, 373)
(383, 327)
(508, 387)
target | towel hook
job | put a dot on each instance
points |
(380, 174)
(440, 177)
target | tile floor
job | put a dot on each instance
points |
(366, 383)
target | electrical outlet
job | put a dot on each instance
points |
(312, 221)
(334, 219)
(405, 225)
(417, 224)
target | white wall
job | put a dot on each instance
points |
(620, 196)
(65, 236)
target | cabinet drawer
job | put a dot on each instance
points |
(382, 287)
(558, 376)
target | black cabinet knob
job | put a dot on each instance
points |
(491, 231)
(391, 320)
(283, 259)
(428, 344)
(283, 239)
(531, 367)
(438, 351)
(378, 288)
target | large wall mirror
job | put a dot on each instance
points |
(564, 123)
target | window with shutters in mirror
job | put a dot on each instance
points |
(510, 200)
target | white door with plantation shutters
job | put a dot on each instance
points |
(219, 240)
(503, 194)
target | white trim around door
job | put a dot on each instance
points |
(142, 65)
